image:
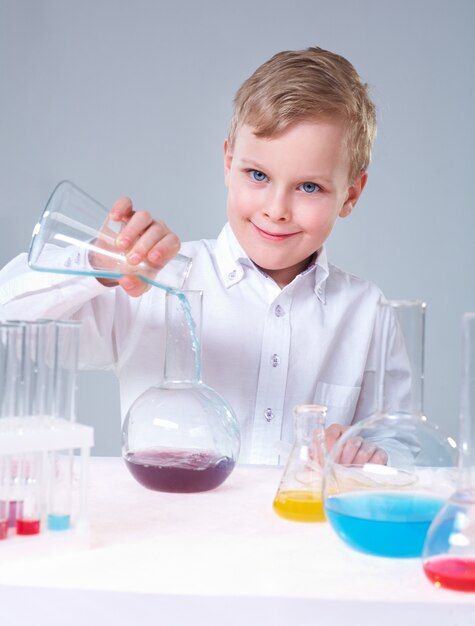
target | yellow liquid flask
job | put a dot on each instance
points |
(299, 496)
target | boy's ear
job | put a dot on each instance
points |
(228, 159)
(354, 192)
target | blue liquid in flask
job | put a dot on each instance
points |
(382, 523)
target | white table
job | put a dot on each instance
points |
(221, 557)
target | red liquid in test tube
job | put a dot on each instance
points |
(28, 517)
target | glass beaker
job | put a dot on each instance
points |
(384, 500)
(299, 496)
(75, 236)
(449, 549)
(181, 436)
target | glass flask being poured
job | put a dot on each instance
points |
(449, 549)
(75, 235)
(181, 436)
(299, 496)
(384, 500)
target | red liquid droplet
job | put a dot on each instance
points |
(452, 573)
(27, 526)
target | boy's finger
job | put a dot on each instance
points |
(164, 250)
(134, 228)
(350, 450)
(365, 453)
(133, 286)
(380, 457)
(156, 244)
(332, 434)
(121, 210)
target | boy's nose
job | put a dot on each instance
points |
(277, 208)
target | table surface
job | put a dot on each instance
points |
(222, 553)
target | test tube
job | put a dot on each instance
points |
(39, 370)
(13, 365)
(12, 396)
(60, 482)
(66, 366)
(28, 510)
(61, 465)
(4, 497)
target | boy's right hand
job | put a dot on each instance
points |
(142, 239)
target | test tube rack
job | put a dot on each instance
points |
(41, 438)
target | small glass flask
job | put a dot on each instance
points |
(299, 496)
(449, 549)
(181, 436)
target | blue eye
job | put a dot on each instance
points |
(258, 176)
(309, 187)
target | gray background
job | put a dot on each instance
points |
(134, 98)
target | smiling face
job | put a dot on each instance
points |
(286, 192)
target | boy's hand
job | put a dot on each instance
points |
(143, 240)
(355, 451)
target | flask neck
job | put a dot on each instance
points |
(183, 340)
(400, 370)
(466, 443)
(309, 425)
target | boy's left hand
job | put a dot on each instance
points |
(355, 451)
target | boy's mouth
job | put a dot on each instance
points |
(272, 236)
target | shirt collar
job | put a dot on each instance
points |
(231, 260)
(230, 257)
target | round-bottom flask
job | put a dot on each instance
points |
(385, 507)
(449, 549)
(181, 436)
(299, 496)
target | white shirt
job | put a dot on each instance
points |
(264, 349)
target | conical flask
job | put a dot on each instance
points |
(299, 496)
(181, 436)
(449, 549)
(385, 478)
(75, 235)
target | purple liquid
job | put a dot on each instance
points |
(178, 471)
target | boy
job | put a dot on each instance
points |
(281, 326)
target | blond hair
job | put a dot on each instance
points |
(308, 84)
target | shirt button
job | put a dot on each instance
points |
(279, 311)
(232, 275)
(275, 360)
(269, 414)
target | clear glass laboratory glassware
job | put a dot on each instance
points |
(28, 511)
(12, 407)
(4, 495)
(181, 436)
(74, 235)
(387, 477)
(66, 358)
(449, 549)
(12, 380)
(60, 463)
(299, 496)
(36, 372)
